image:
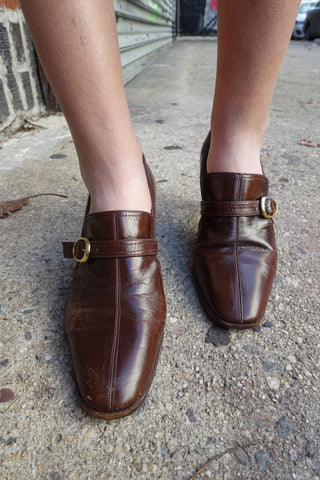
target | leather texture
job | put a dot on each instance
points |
(115, 310)
(235, 256)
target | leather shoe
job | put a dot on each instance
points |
(235, 257)
(115, 311)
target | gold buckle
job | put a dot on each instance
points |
(86, 250)
(264, 207)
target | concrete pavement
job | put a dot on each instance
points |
(234, 404)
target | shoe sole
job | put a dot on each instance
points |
(214, 317)
(129, 410)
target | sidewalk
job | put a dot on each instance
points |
(245, 402)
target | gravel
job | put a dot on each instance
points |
(237, 404)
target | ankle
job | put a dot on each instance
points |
(118, 187)
(131, 195)
(237, 154)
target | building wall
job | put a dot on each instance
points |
(144, 28)
(9, 4)
(19, 83)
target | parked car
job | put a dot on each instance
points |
(312, 23)
(305, 6)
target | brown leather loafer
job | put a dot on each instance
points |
(115, 311)
(235, 256)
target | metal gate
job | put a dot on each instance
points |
(191, 19)
(144, 27)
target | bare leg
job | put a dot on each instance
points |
(252, 39)
(115, 309)
(77, 43)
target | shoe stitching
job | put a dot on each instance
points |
(117, 335)
(116, 324)
(238, 276)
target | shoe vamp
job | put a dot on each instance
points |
(110, 289)
(224, 232)
(236, 282)
(115, 320)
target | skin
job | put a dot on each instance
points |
(77, 43)
(253, 37)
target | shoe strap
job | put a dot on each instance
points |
(83, 249)
(265, 207)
